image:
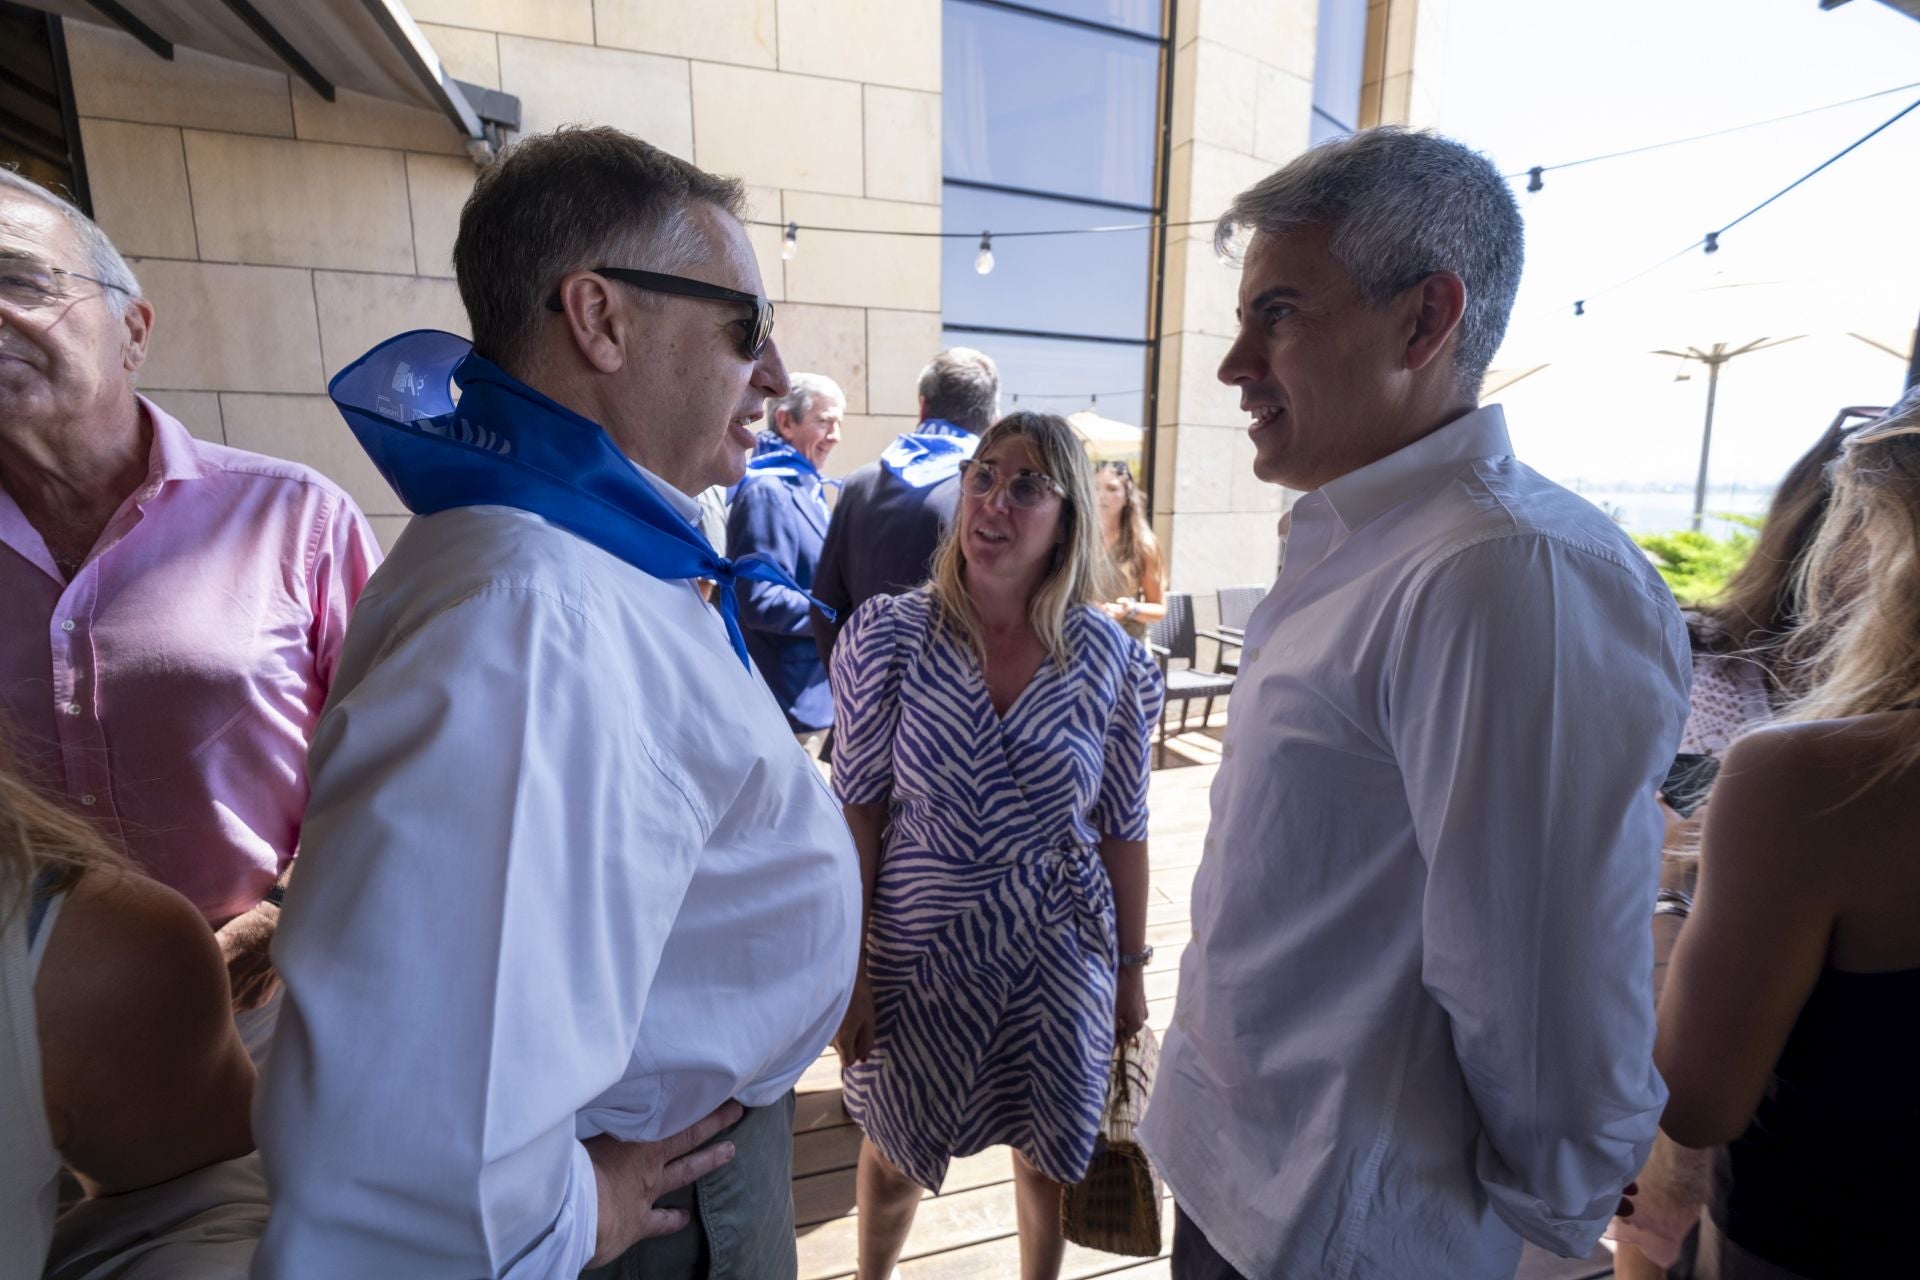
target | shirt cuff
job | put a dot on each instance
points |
(566, 1248)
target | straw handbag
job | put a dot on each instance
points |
(1116, 1207)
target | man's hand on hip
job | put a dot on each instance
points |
(630, 1176)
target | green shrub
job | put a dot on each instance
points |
(1697, 565)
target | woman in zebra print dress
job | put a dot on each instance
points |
(992, 757)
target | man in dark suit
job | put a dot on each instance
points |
(779, 511)
(893, 513)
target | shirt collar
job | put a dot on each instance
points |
(175, 454)
(686, 508)
(1359, 496)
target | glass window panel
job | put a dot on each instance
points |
(1046, 106)
(1055, 375)
(1142, 16)
(1085, 284)
(1339, 67)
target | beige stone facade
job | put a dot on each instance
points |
(280, 235)
(1406, 47)
(1242, 91)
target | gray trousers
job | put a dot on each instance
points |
(742, 1226)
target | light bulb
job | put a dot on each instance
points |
(983, 260)
(791, 245)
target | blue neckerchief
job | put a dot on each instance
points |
(773, 456)
(929, 454)
(507, 445)
(776, 459)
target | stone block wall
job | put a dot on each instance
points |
(1405, 57)
(279, 236)
(1243, 97)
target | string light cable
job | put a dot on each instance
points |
(1710, 242)
(1535, 173)
(983, 258)
(1091, 397)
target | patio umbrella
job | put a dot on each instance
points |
(1106, 440)
(1636, 376)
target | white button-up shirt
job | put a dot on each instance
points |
(564, 872)
(1415, 1022)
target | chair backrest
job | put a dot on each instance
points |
(1175, 632)
(1238, 603)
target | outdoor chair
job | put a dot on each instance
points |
(1174, 638)
(1236, 606)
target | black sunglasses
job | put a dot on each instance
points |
(754, 339)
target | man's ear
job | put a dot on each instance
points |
(1439, 301)
(139, 322)
(594, 320)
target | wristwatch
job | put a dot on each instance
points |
(1136, 961)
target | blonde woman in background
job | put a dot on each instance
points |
(993, 733)
(1131, 549)
(1788, 1027)
(127, 1067)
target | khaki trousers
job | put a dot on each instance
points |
(742, 1226)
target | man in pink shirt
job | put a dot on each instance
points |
(173, 609)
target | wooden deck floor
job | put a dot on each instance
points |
(967, 1231)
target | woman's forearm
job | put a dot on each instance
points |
(1126, 863)
(868, 823)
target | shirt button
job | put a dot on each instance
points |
(1253, 654)
(66, 624)
(1226, 749)
(73, 708)
(87, 799)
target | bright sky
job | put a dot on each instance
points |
(1542, 83)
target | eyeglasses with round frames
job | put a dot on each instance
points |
(27, 284)
(1025, 489)
(756, 329)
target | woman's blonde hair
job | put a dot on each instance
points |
(1079, 571)
(37, 837)
(1857, 648)
(1136, 552)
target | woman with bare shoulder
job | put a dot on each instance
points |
(128, 1070)
(1791, 1017)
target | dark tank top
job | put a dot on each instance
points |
(1826, 1180)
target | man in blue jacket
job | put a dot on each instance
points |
(893, 513)
(779, 512)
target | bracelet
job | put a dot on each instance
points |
(276, 895)
(1133, 607)
(1136, 961)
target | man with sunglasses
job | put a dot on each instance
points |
(175, 608)
(580, 911)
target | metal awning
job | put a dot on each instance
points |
(1909, 7)
(371, 46)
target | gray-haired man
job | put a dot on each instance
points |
(1415, 1023)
